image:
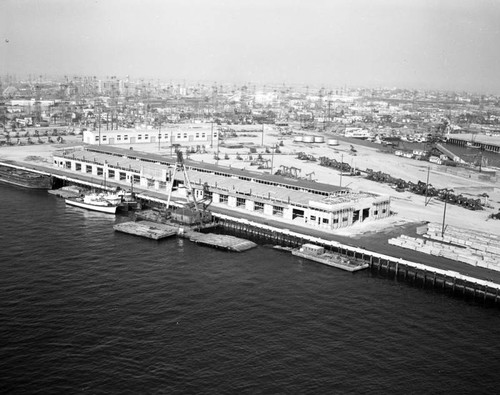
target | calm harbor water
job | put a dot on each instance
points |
(85, 309)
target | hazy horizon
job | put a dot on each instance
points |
(433, 45)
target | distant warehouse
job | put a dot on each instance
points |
(189, 135)
(290, 201)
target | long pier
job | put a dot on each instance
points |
(398, 268)
(380, 264)
(462, 142)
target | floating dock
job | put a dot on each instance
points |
(158, 231)
(151, 230)
(225, 242)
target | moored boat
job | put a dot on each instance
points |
(25, 179)
(93, 201)
(318, 254)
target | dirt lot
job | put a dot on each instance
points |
(408, 207)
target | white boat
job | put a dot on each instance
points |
(93, 201)
(126, 200)
(318, 254)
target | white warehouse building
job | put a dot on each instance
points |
(187, 135)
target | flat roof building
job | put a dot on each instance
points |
(290, 200)
(191, 135)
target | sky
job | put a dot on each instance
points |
(449, 45)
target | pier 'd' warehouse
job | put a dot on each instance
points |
(298, 201)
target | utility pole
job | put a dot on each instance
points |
(341, 165)
(444, 213)
(159, 134)
(217, 160)
(99, 122)
(426, 202)
(272, 159)
(212, 134)
(171, 142)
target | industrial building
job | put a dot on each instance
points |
(289, 200)
(188, 135)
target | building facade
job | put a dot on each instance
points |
(291, 201)
(172, 135)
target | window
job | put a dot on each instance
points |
(146, 136)
(104, 138)
(166, 136)
(240, 202)
(259, 206)
(384, 211)
(111, 173)
(96, 138)
(139, 137)
(88, 169)
(119, 137)
(335, 220)
(99, 171)
(375, 212)
(137, 179)
(185, 135)
(78, 166)
(326, 221)
(223, 199)
(123, 176)
(178, 135)
(345, 219)
(151, 183)
(203, 135)
(197, 135)
(313, 218)
(125, 137)
(162, 185)
(278, 211)
(67, 164)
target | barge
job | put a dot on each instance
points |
(317, 254)
(25, 179)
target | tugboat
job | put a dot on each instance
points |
(318, 254)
